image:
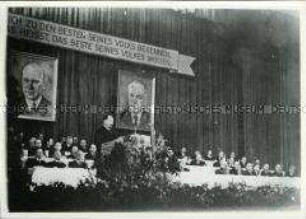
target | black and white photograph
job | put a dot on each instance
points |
(153, 109)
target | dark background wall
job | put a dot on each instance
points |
(242, 57)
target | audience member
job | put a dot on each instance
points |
(57, 161)
(75, 140)
(182, 153)
(68, 144)
(265, 171)
(92, 152)
(79, 162)
(41, 137)
(49, 146)
(198, 160)
(38, 160)
(248, 171)
(38, 144)
(243, 163)
(236, 170)
(209, 156)
(257, 162)
(221, 158)
(182, 158)
(172, 161)
(233, 156)
(231, 162)
(83, 145)
(73, 152)
(291, 171)
(223, 168)
(31, 148)
(278, 171)
(56, 147)
(256, 169)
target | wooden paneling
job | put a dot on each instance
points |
(229, 70)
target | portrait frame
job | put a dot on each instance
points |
(46, 109)
(126, 78)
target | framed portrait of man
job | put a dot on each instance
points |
(36, 76)
(135, 100)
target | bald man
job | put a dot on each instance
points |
(32, 85)
(135, 115)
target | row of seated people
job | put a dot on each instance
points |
(232, 165)
(70, 147)
(67, 144)
(58, 160)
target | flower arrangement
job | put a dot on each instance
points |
(157, 194)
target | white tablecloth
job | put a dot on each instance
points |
(68, 176)
(206, 175)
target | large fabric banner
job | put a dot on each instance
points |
(100, 44)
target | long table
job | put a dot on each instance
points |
(195, 177)
(199, 175)
(67, 176)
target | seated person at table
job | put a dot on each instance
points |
(221, 158)
(223, 168)
(57, 161)
(30, 147)
(73, 153)
(209, 155)
(198, 160)
(182, 157)
(38, 160)
(182, 153)
(243, 163)
(57, 147)
(83, 145)
(68, 144)
(248, 171)
(256, 170)
(265, 171)
(38, 144)
(257, 162)
(236, 170)
(92, 152)
(278, 172)
(79, 162)
(172, 161)
(231, 162)
(75, 140)
(291, 171)
(233, 156)
(49, 146)
(160, 141)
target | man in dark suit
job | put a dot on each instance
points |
(57, 162)
(278, 171)
(136, 115)
(106, 137)
(265, 171)
(248, 171)
(223, 168)
(38, 160)
(92, 153)
(79, 162)
(34, 103)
